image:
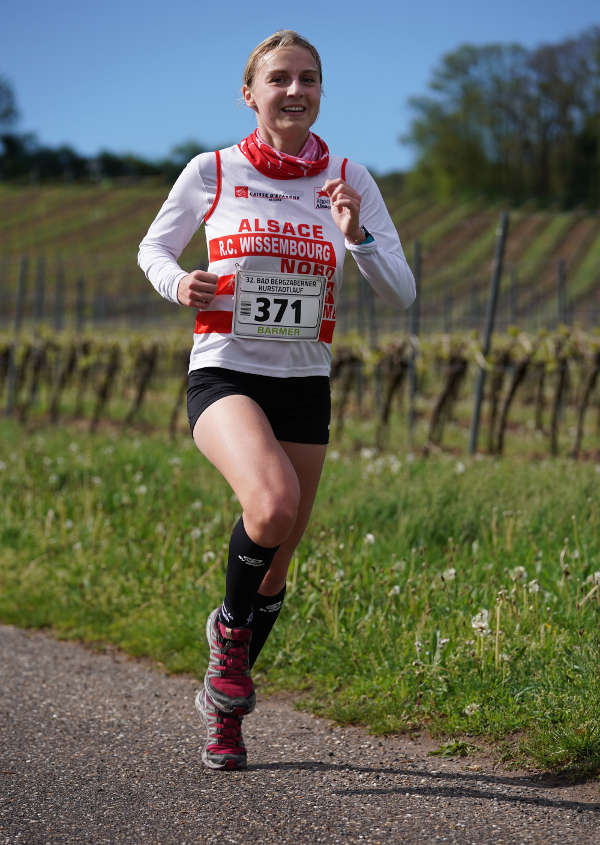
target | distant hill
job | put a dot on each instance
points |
(93, 233)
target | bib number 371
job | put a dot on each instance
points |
(282, 306)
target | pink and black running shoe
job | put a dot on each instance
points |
(227, 681)
(224, 747)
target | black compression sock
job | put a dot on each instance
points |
(246, 567)
(265, 611)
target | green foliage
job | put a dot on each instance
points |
(504, 121)
(458, 597)
(8, 105)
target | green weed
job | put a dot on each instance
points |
(457, 596)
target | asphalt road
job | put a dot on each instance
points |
(101, 748)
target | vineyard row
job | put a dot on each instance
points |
(53, 377)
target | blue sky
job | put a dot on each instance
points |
(140, 77)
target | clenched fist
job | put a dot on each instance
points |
(197, 289)
(345, 209)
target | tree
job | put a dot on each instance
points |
(506, 121)
(8, 107)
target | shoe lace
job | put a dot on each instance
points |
(229, 730)
(234, 657)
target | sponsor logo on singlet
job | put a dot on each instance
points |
(322, 199)
(244, 192)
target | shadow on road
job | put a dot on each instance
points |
(462, 787)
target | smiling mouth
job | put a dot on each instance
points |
(294, 109)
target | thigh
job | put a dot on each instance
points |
(307, 460)
(237, 438)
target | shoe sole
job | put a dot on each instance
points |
(230, 763)
(237, 706)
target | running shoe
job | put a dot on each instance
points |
(227, 681)
(224, 747)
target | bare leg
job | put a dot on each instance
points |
(307, 460)
(236, 437)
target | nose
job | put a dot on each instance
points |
(295, 87)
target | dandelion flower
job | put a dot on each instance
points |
(394, 464)
(196, 533)
(395, 590)
(207, 557)
(449, 574)
(479, 623)
(471, 709)
(369, 539)
(519, 573)
(460, 468)
(2, 466)
(141, 490)
(533, 586)
(197, 505)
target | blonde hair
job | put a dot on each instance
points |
(281, 38)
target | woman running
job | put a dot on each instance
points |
(279, 213)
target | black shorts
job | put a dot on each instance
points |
(299, 409)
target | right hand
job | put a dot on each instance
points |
(197, 289)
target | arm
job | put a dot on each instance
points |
(356, 203)
(179, 218)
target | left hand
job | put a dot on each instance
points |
(345, 209)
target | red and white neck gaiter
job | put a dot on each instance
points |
(313, 158)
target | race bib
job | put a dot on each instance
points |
(278, 306)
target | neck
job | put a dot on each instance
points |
(289, 144)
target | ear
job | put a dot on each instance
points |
(249, 98)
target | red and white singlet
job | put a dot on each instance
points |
(279, 258)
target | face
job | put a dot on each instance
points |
(285, 94)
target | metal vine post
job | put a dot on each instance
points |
(489, 328)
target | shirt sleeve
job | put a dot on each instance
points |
(382, 261)
(180, 217)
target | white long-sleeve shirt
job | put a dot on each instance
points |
(275, 227)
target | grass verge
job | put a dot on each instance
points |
(457, 596)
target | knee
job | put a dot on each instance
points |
(271, 517)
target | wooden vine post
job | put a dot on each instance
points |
(489, 328)
(11, 380)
